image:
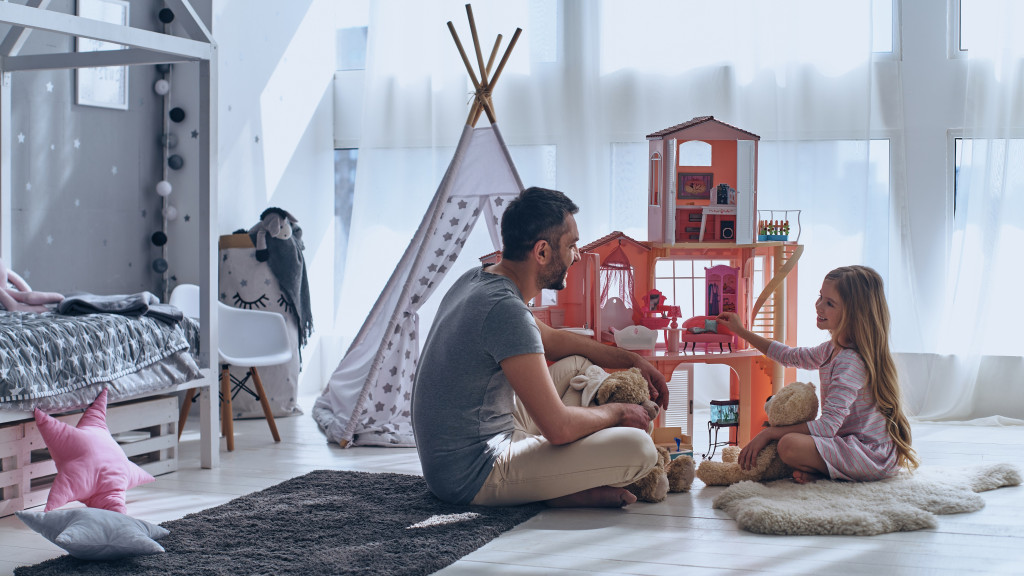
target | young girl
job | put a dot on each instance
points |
(862, 433)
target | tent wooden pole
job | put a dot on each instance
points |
(494, 52)
(504, 57)
(462, 52)
(476, 45)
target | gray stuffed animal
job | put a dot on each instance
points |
(276, 222)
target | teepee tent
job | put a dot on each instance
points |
(367, 399)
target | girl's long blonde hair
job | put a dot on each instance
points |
(865, 322)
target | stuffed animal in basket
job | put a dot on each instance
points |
(597, 387)
(17, 296)
(796, 402)
(277, 223)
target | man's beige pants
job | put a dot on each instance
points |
(533, 469)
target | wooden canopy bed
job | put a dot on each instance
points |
(146, 406)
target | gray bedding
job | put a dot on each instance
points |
(52, 361)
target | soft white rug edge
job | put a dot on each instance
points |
(904, 502)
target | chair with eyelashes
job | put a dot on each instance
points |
(248, 338)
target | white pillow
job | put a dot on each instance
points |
(96, 534)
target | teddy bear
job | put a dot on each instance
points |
(796, 402)
(276, 222)
(596, 387)
(17, 296)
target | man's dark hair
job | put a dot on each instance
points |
(536, 214)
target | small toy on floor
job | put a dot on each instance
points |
(796, 402)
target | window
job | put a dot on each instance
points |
(344, 192)
(883, 26)
(682, 283)
(655, 181)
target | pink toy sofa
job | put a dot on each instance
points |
(721, 334)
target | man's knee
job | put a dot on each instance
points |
(639, 443)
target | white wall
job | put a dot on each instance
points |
(275, 141)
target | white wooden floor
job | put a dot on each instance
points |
(679, 536)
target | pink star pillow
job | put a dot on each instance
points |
(91, 467)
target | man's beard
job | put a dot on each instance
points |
(552, 277)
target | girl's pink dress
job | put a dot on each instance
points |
(850, 434)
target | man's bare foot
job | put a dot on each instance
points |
(600, 497)
(801, 477)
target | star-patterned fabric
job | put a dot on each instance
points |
(47, 355)
(367, 400)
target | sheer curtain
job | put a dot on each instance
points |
(588, 80)
(978, 369)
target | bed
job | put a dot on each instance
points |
(59, 363)
(138, 387)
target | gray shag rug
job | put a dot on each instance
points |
(325, 522)
(901, 503)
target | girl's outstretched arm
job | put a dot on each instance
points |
(732, 320)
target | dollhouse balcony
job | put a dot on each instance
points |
(706, 330)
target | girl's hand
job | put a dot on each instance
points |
(748, 455)
(731, 320)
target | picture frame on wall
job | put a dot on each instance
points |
(694, 188)
(105, 87)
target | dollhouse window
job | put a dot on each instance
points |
(655, 181)
(695, 153)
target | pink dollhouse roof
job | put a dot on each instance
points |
(613, 236)
(704, 122)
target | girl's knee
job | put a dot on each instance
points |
(792, 446)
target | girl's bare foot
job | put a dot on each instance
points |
(801, 477)
(600, 497)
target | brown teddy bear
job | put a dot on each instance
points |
(795, 403)
(596, 388)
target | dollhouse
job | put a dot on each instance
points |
(705, 254)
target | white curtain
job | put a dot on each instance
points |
(976, 370)
(588, 80)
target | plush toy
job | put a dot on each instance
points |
(17, 296)
(597, 387)
(276, 222)
(795, 403)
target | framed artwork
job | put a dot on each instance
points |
(693, 188)
(106, 87)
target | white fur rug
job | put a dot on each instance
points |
(903, 502)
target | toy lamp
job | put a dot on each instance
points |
(164, 188)
(162, 87)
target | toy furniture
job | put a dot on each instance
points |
(706, 330)
(724, 414)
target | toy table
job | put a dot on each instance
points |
(750, 382)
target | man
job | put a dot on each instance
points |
(490, 424)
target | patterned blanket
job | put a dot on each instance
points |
(45, 355)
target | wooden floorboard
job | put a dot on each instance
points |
(683, 535)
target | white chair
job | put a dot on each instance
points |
(248, 338)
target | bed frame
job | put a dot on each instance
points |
(144, 47)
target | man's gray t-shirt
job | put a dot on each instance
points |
(462, 403)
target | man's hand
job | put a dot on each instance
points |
(633, 416)
(655, 381)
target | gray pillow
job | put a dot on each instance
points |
(96, 534)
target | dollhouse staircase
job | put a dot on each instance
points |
(763, 313)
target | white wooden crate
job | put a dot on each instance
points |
(27, 471)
